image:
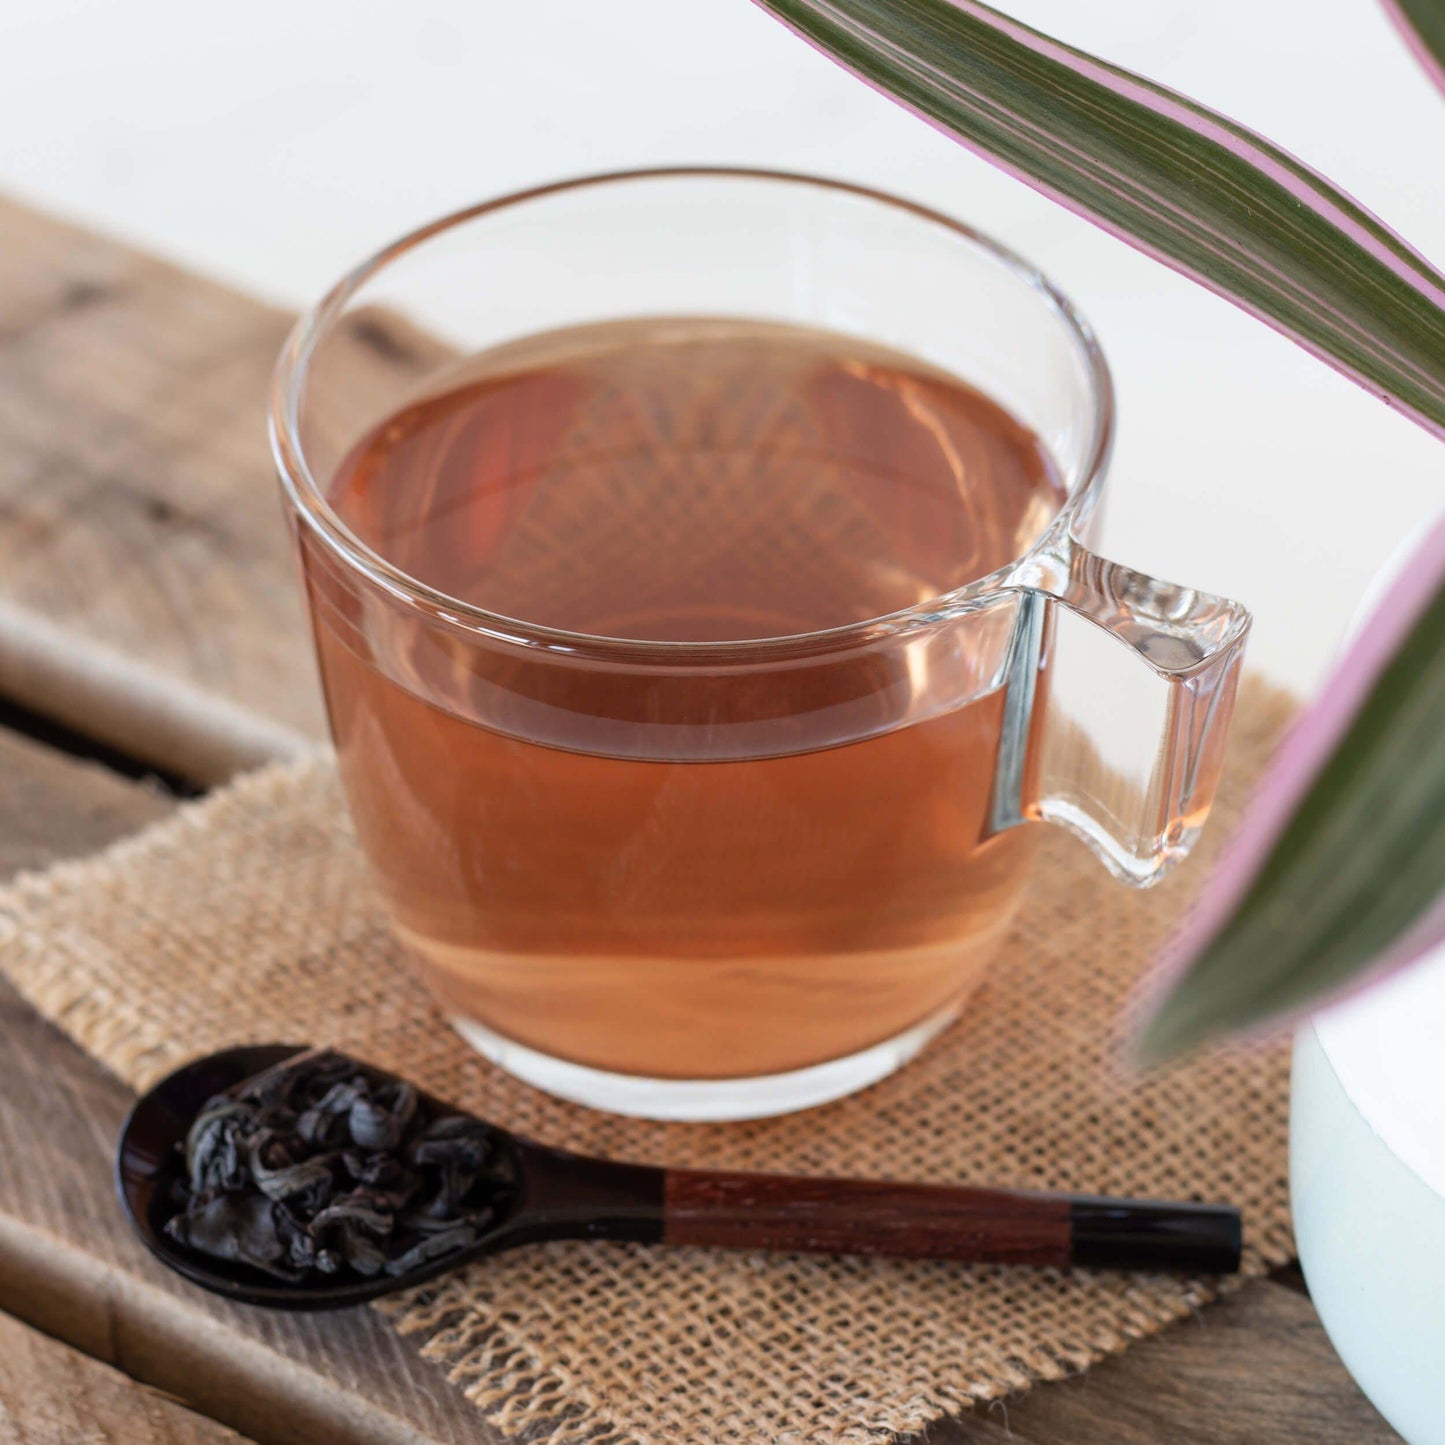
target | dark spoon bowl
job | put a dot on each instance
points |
(559, 1195)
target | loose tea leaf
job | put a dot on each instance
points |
(321, 1166)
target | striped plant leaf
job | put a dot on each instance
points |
(1422, 23)
(1180, 182)
(1339, 869)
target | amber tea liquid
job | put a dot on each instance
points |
(687, 912)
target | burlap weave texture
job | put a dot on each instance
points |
(248, 917)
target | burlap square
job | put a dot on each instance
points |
(248, 917)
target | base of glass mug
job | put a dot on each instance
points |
(702, 1101)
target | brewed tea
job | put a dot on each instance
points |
(629, 888)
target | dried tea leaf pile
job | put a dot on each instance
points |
(319, 1167)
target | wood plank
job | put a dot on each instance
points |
(1256, 1367)
(69, 1264)
(146, 588)
(52, 1395)
(1253, 1369)
(54, 806)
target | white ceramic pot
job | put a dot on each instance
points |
(1367, 1173)
(1367, 1179)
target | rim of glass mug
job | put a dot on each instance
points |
(309, 500)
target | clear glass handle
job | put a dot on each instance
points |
(1119, 696)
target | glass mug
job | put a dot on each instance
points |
(722, 876)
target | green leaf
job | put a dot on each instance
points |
(1355, 876)
(1422, 22)
(1340, 865)
(1181, 182)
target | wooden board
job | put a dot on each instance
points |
(69, 1264)
(148, 596)
(146, 588)
(52, 1395)
(1255, 1368)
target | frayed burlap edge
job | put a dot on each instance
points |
(53, 949)
(516, 1393)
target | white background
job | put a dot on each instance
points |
(276, 142)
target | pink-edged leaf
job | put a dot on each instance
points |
(1338, 871)
(1422, 23)
(1340, 868)
(1179, 181)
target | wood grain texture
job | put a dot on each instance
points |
(54, 806)
(69, 1264)
(148, 594)
(864, 1216)
(146, 588)
(1253, 1369)
(53, 1395)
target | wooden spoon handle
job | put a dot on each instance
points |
(926, 1221)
